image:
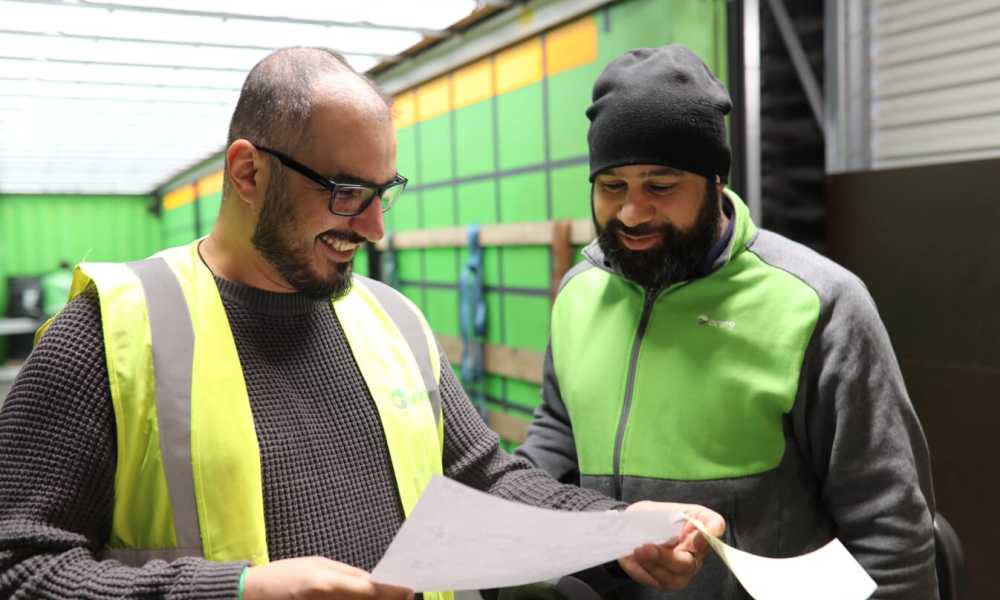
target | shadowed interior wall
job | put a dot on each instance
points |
(924, 241)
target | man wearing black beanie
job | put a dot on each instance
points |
(698, 358)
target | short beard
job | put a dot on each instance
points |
(680, 256)
(273, 238)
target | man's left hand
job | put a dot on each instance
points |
(671, 567)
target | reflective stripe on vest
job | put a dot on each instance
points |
(188, 476)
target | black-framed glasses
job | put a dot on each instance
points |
(346, 199)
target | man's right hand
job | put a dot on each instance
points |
(315, 577)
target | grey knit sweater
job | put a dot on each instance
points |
(328, 483)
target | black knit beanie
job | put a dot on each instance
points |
(659, 106)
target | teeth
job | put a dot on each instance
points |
(338, 244)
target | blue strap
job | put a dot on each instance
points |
(472, 320)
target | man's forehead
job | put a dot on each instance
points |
(643, 171)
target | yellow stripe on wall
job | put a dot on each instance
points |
(434, 98)
(566, 47)
(519, 65)
(404, 109)
(209, 184)
(179, 197)
(571, 45)
(473, 83)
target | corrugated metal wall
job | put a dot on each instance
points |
(36, 232)
(503, 140)
(935, 77)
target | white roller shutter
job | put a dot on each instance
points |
(935, 81)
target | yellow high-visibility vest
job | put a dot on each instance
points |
(188, 478)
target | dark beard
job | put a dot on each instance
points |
(272, 235)
(680, 256)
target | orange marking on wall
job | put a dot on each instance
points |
(434, 98)
(473, 83)
(571, 45)
(179, 197)
(404, 109)
(519, 65)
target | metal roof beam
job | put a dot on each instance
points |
(98, 38)
(111, 6)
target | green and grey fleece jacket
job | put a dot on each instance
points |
(767, 390)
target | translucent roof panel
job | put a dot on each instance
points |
(121, 96)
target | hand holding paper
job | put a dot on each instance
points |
(458, 538)
(672, 566)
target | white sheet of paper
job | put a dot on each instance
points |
(829, 573)
(458, 538)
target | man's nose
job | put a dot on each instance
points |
(635, 211)
(370, 224)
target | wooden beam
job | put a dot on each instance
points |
(517, 363)
(514, 362)
(509, 428)
(517, 234)
(451, 346)
(537, 233)
(562, 254)
(582, 232)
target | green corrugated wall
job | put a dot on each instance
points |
(38, 231)
(521, 156)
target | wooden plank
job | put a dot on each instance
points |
(451, 346)
(514, 362)
(448, 237)
(582, 232)
(509, 428)
(562, 254)
(538, 233)
(517, 363)
(517, 234)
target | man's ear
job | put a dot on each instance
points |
(243, 164)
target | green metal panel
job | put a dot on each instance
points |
(527, 321)
(568, 99)
(520, 127)
(698, 24)
(406, 212)
(474, 138)
(39, 231)
(522, 197)
(477, 202)
(361, 261)
(491, 265)
(406, 154)
(178, 225)
(442, 310)
(409, 265)
(522, 393)
(415, 294)
(527, 267)
(571, 192)
(208, 211)
(494, 322)
(438, 205)
(435, 144)
(440, 265)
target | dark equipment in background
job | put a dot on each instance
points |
(24, 300)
